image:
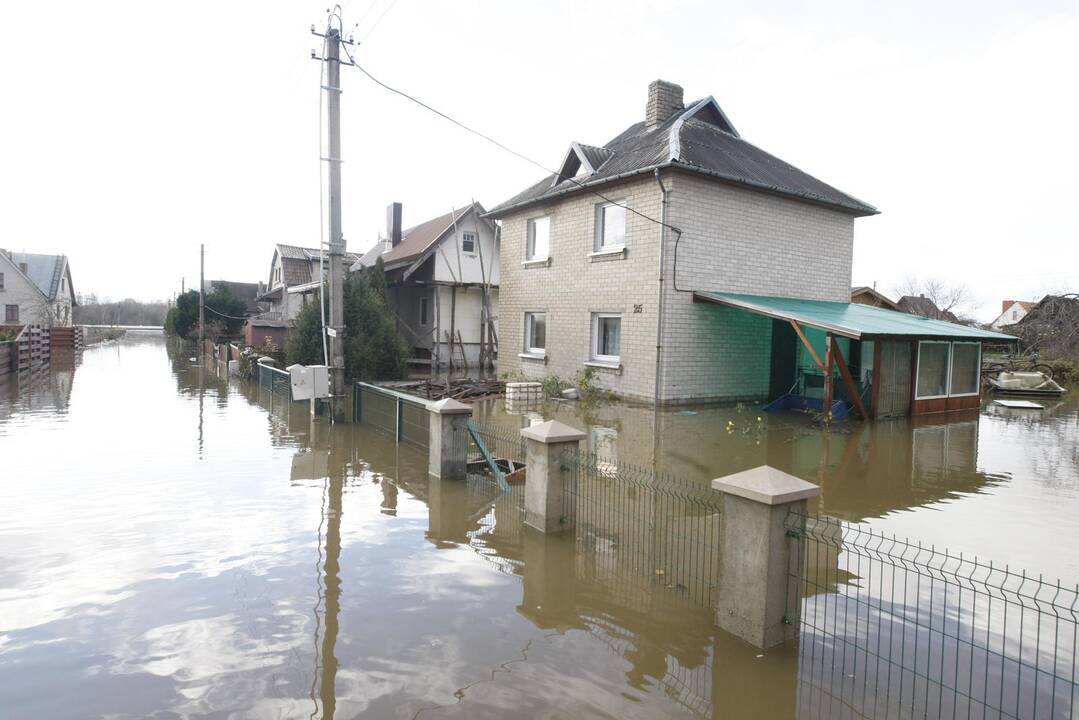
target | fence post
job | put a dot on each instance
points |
(546, 506)
(448, 445)
(755, 554)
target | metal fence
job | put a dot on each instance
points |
(646, 525)
(276, 381)
(891, 628)
(403, 416)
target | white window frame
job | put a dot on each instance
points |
(425, 310)
(978, 364)
(465, 236)
(947, 370)
(530, 239)
(528, 348)
(597, 241)
(595, 355)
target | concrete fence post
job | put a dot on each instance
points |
(756, 588)
(448, 444)
(546, 507)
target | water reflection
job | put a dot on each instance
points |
(214, 552)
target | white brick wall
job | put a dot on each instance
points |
(733, 240)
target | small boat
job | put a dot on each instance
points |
(1025, 383)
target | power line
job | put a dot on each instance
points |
(372, 28)
(230, 317)
(501, 146)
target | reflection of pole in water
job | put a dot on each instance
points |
(329, 593)
(201, 389)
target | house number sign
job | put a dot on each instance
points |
(638, 309)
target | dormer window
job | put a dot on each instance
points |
(581, 161)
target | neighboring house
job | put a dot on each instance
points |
(924, 307)
(1011, 312)
(443, 278)
(682, 264)
(35, 289)
(294, 281)
(248, 293)
(869, 296)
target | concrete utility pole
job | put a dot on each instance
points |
(336, 239)
(202, 286)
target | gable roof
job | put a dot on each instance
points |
(416, 241)
(296, 263)
(44, 271)
(879, 297)
(923, 306)
(698, 139)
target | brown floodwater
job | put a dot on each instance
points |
(175, 545)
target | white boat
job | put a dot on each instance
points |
(1026, 383)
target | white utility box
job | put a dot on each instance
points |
(309, 381)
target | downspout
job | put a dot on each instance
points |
(659, 309)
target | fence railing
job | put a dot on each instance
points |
(276, 381)
(403, 416)
(894, 628)
(649, 525)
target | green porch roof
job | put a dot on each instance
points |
(849, 319)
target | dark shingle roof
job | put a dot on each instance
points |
(699, 139)
(296, 263)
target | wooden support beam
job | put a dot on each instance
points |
(805, 341)
(829, 368)
(849, 380)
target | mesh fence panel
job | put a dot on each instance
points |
(894, 629)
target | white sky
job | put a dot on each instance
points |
(133, 131)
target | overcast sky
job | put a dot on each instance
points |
(133, 131)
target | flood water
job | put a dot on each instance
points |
(174, 545)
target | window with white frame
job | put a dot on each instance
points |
(424, 308)
(606, 337)
(948, 369)
(610, 226)
(536, 333)
(11, 313)
(468, 242)
(539, 239)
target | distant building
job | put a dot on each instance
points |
(443, 278)
(294, 281)
(869, 296)
(923, 306)
(1011, 312)
(35, 289)
(247, 293)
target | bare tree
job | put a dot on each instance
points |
(949, 299)
(1051, 329)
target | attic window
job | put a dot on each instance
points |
(22, 267)
(574, 165)
(468, 242)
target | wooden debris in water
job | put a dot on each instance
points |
(455, 388)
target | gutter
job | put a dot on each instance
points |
(662, 258)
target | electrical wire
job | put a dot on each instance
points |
(500, 145)
(217, 312)
(372, 28)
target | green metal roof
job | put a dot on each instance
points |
(849, 319)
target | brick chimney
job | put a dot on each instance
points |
(1005, 304)
(393, 224)
(664, 100)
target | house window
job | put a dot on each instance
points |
(933, 369)
(1, 281)
(1015, 314)
(11, 313)
(966, 368)
(423, 310)
(536, 333)
(22, 266)
(539, 239)
(468, 242)
(610, 226)
(606, 337)
(947, 369)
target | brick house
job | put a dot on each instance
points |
(35, 289)
(591, 281)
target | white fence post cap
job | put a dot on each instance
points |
(449, 406)
(766, 485)
(552, 431)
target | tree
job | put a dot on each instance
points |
(225, 311)
(373, 348)
(949, 299)
(183, 318)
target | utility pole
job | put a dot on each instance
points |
(336, 242)
(202, 286)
